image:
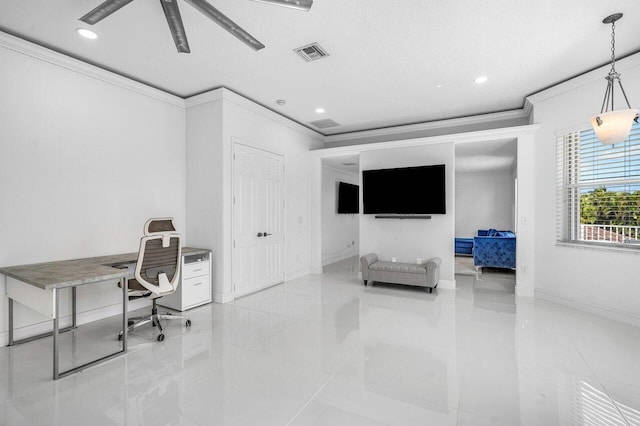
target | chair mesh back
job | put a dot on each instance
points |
(161, 225)
(157, 259)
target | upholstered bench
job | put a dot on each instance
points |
(426, 274)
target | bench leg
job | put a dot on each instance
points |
(365, 283)
(430, 290)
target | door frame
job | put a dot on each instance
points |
(235, 142)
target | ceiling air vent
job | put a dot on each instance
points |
(323, 124)
(311, 52)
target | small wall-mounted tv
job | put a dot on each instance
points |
(348, 198)
(408, 190)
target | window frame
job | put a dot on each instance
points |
(569, 188)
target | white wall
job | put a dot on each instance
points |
(210, 163)
(601, 281)
(484, 200)
(204, 182)
(85, 158)
(409, 239)
(340, 232)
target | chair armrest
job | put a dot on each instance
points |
(365, 261)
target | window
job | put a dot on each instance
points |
(598, 190)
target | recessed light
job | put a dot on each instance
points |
(481, 79)
(281, 102)
(87, 33)
(438, 86)
(320, 110)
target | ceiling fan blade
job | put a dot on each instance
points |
(221, 19)
(294, 4)
(174, 20)
(103, 10)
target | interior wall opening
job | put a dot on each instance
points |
(340, 208)
(486, 209)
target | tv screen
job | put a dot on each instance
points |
(348, 198)
(409, 190)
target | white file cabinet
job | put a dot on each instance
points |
(195, 283)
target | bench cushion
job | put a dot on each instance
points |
(407, 268)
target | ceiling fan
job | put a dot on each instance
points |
(174, 19)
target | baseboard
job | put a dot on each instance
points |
(447, 284)
(523, 291)
(338, 257)
(315, 270)
(81, 318)
(626, 317)
(223, 297)
(296, 274)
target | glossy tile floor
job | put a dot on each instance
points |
(325, 350)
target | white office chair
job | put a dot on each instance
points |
(157, 271)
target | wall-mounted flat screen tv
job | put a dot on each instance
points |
(408, 190)
(348, 198)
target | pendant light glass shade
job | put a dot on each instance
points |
(614, 126)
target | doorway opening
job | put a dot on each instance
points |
(341, 195)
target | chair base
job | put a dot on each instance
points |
(154, 319)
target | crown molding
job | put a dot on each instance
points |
(596, 76)
(213, 95)
(51, 57)
(431, 125)
(505, 133)
(528, 107)
(231, 96)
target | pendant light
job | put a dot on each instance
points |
(613, 126)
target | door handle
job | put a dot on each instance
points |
(259, 234)
(266, 234)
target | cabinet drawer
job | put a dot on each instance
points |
(196, 291)
(195, 269)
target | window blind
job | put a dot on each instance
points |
(598, 189)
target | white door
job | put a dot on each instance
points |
(258, 235)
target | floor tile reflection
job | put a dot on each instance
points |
(326, 350)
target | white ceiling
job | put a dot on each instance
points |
(386, 57)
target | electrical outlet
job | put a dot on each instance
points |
(418, 261)
(393, 259)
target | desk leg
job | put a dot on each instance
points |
(74, 322)
(56, 332)
(10, 322)
(60, 374)
(13, 342)
(125, 301)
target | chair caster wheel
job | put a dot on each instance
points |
(120, 336)
(160, 337)
(188, 323)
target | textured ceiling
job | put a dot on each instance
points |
(387, 58)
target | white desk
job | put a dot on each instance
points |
(38, 287)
